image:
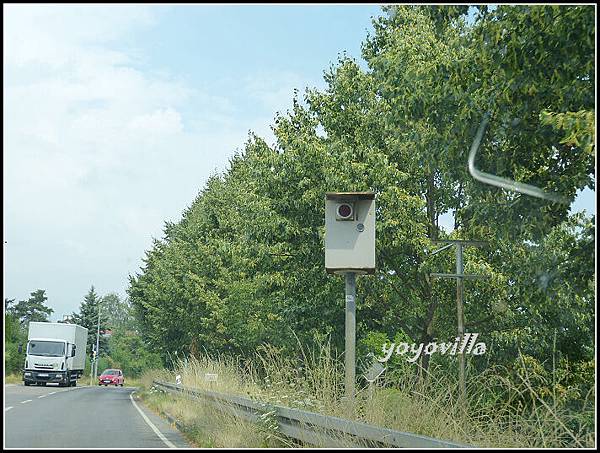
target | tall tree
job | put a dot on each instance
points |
(14, 335)
(32, 309)
(244, 265)
(88, 318)
(7, 303)
(118, 311)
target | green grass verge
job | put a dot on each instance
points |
(204, 426)
(493, 416)
(13, 379)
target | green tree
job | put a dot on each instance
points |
(435, 81)
(118, 311)
(14, 335)
(244, 266)
(130, 354)
(32, 309)
(534, 73)
(88, 318)
(8, 303)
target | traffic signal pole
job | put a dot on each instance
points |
(92, 373)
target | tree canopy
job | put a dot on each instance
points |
(88, 317)
(32, 309)
(245, 264)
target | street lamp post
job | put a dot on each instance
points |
(97, 344)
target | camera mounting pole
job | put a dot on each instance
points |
(350, 340)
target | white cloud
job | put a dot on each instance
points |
(57, 35)
(77, 116)
(160, 122)
(273, 90)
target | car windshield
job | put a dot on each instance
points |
(46, 348)
(110, 373)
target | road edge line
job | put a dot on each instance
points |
(162, 437)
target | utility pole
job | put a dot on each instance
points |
(460, 314)
(459, 276)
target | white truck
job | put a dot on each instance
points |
(55, 353)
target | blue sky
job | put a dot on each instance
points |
(115, 116)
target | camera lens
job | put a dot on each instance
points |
(345, 210)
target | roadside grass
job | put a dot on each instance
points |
(205, 426)
(133, 381)
(13, 379)
(313, 381)
(434, 409)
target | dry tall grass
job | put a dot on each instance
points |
(313, 380)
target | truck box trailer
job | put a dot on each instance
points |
(55, 353)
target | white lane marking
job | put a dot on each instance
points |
(66, 390)
(154, 428)
(8, 408)
(26, 401)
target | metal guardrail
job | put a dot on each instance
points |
(309, 427)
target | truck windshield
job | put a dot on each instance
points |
(46, 348)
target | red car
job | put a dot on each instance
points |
(111, 377)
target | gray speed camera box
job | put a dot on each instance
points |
(350, 232)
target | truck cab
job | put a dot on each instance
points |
(48, 361)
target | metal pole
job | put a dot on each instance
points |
(460, 316)
(350, 353)
(460, 276)
(97, 344)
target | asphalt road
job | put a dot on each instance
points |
(82, 417)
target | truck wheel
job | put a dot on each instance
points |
(27, 383)
(73, 383)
